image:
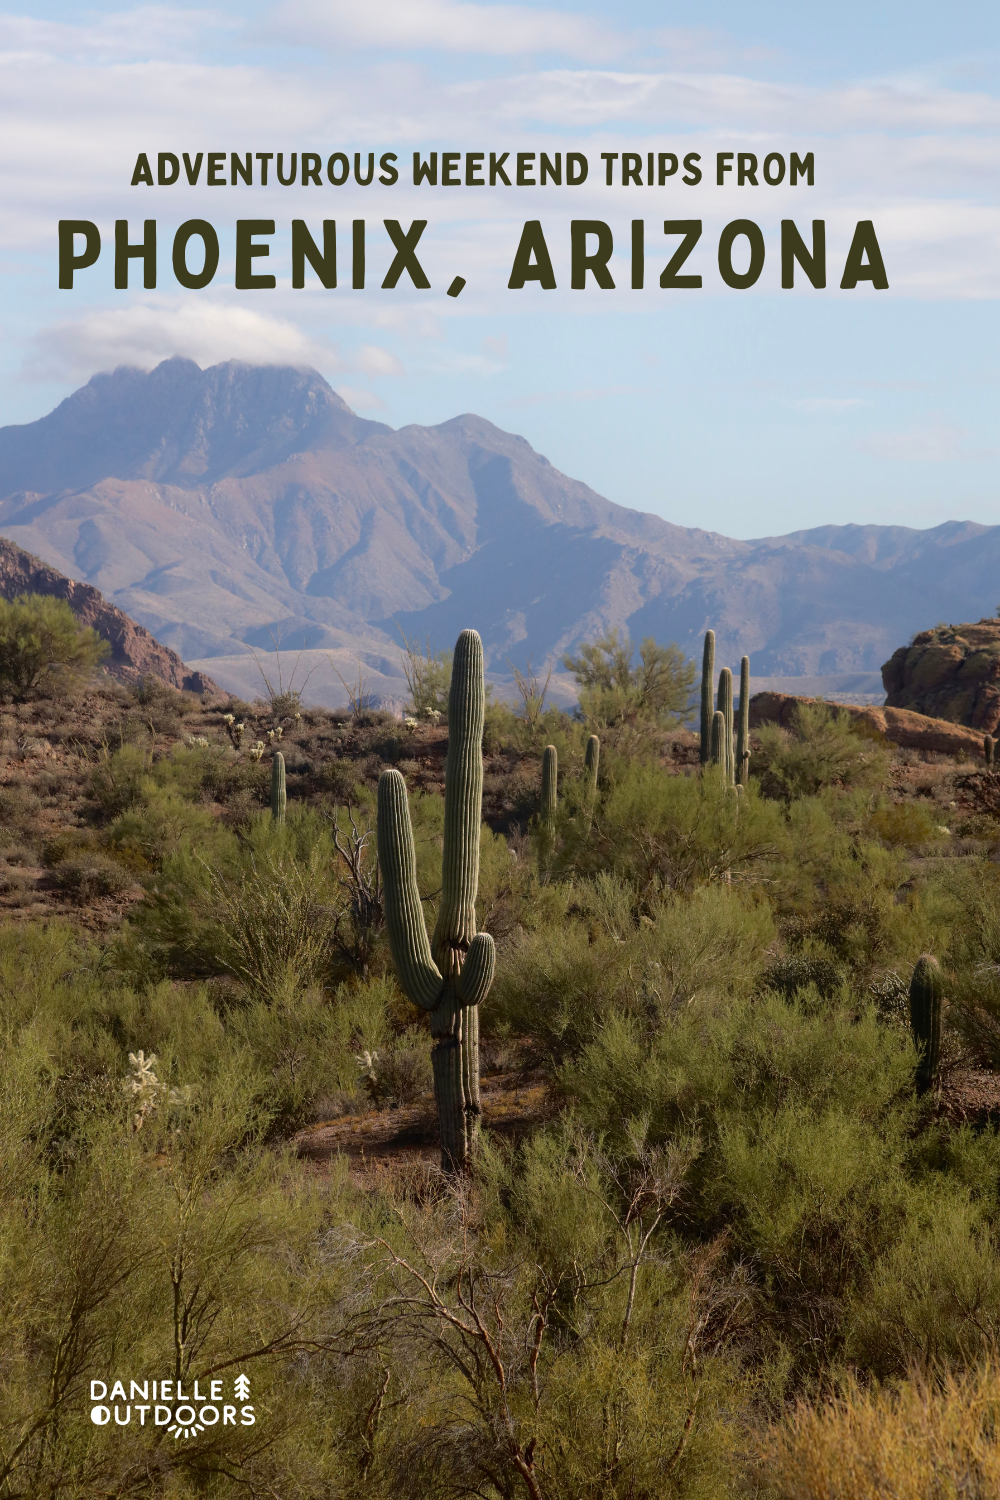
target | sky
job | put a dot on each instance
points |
(750, 411)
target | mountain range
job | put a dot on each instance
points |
(231, 507)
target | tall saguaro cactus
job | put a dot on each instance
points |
(926, 989)
(450, 975)
(743, 730)
(726, 710)
(279, 797)
(707, 696)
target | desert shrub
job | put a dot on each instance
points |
(304, 1048)
(908, 825)
(797, 971)
(91, 876)
(43, 646)
(822, 749)
(121, 776)
(931, 1435)
(558, 987)
(400, 1071)
(667, 833)
(428, 677)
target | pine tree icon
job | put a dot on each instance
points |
(242, 1387)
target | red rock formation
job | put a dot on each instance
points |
(951, 672)
(899, 725)
(134, 652)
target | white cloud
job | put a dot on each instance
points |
(935, 442)
(832, 404)
(369, 359)
(446, 25)
(149, 332)
(146, 31)
(360, 400)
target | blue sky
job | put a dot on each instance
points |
(751, 412)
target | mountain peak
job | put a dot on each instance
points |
(178, 424)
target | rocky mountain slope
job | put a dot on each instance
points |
(134, 652)
(229, 506)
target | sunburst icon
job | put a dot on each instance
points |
(180, 1431)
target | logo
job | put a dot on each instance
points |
(166, 1404)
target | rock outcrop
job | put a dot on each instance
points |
(900, 726)
(134, 652)
(951, 672)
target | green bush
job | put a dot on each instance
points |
(821, 749)
(43, 646)
(615, 689)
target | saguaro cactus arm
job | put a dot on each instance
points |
(707, 696)
(717, 740)
(726, 709)
(463, 799)
(404, 918)
(477, 971)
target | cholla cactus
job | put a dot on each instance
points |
(235, 729)
(256, 750)
(197, 742)
(143, 1086)
(367, 1073)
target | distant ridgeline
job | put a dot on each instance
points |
(134, 652)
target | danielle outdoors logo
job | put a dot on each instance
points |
(166, 1404)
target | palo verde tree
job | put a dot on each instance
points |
(616, 689)
(43, 645)
(451, 975)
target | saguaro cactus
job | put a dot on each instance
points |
(926, 989)
(989, 746)
(726, 709)
(279, 797)
(591, 761)
(450, 976)
(707, 696)
(743, 731)
(550, 783)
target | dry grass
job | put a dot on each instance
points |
(927, 1440)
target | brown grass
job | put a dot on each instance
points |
(926, 1440)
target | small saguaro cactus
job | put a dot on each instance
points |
(926, 989)
(726, 709)
(591, 761)
(279, 797)
(452, 974)
(989, 747)
(743, 732)
(550, 781)
(707, 695)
